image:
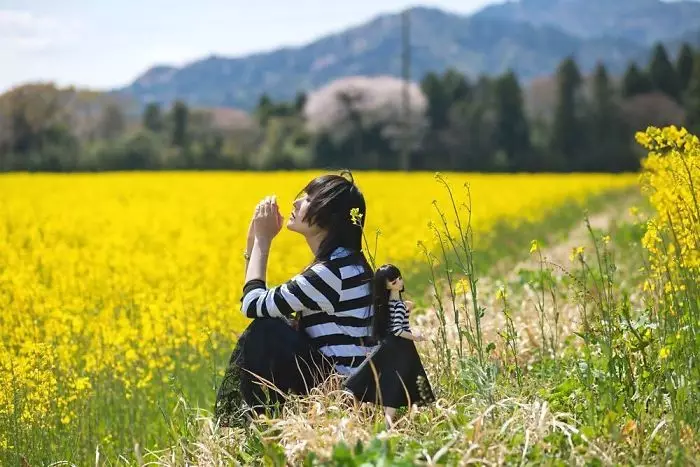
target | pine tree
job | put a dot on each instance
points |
(153, 118)
(566, 138)
(635, 82)
(442, 93)
(684, 66)
(300, 102)
(180, 120)
(610, 149)
(512, 134)
(663, 75)
(692, 99)
(265, 109)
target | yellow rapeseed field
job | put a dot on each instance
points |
(129, 278)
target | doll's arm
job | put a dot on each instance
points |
(416, 337)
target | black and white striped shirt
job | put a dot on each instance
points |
(398, 317)
(335, 301)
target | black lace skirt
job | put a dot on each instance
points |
(268, 353)
(393, 376)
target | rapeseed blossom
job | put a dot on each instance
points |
(670, 179)
(136, 275)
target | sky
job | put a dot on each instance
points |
(102, 44)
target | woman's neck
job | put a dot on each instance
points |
(394, 295)
(314, 241)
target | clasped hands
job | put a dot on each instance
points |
(266, 223)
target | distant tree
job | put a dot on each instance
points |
(364, 119)
(469, 137)
(438, 105)
(300, 102)
(112, 123)
(264, 109)
(38, 132)
(442, 92)
(153, 118)
(635, 81)
(652, 109)
(692, 100)
(180, 124)
(267, 108)
(684, 66)
(283, 148)
(142, 150)
(512, 134)
(662, 74)
(610, 140)
(567, 141)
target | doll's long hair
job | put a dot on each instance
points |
(383, 275)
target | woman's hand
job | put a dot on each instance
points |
(267, 221)
(409, 305)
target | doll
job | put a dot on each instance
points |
(393, 375)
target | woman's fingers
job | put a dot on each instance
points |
(268, 207)
(268, 218)
(280, 220)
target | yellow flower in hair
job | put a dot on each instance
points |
(356, 216)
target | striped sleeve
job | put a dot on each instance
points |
(398, 318)
(316, 289)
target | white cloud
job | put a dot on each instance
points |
(25, 31)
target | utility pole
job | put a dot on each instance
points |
(406, 104)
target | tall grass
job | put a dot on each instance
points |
(589, 359)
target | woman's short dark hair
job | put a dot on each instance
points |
(337, 205)
(331, 200)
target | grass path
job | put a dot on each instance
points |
(556, 252)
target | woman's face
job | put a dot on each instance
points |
(395, 285)
(296, 221)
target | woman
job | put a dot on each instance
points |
(332, 300)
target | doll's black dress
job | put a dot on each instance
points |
(393, 375)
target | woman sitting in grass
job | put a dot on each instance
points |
(331, 298)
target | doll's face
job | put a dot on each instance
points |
(395, 285)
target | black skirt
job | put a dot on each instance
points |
(268, 350)
(393, 376)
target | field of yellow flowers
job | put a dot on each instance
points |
(120, 292)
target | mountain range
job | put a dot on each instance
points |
(529, 36)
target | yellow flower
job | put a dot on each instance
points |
(356, 216)
(664, 352)
(462, 286)
(576, 253)
(669, 179)
(501, 293)
(534, 246)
